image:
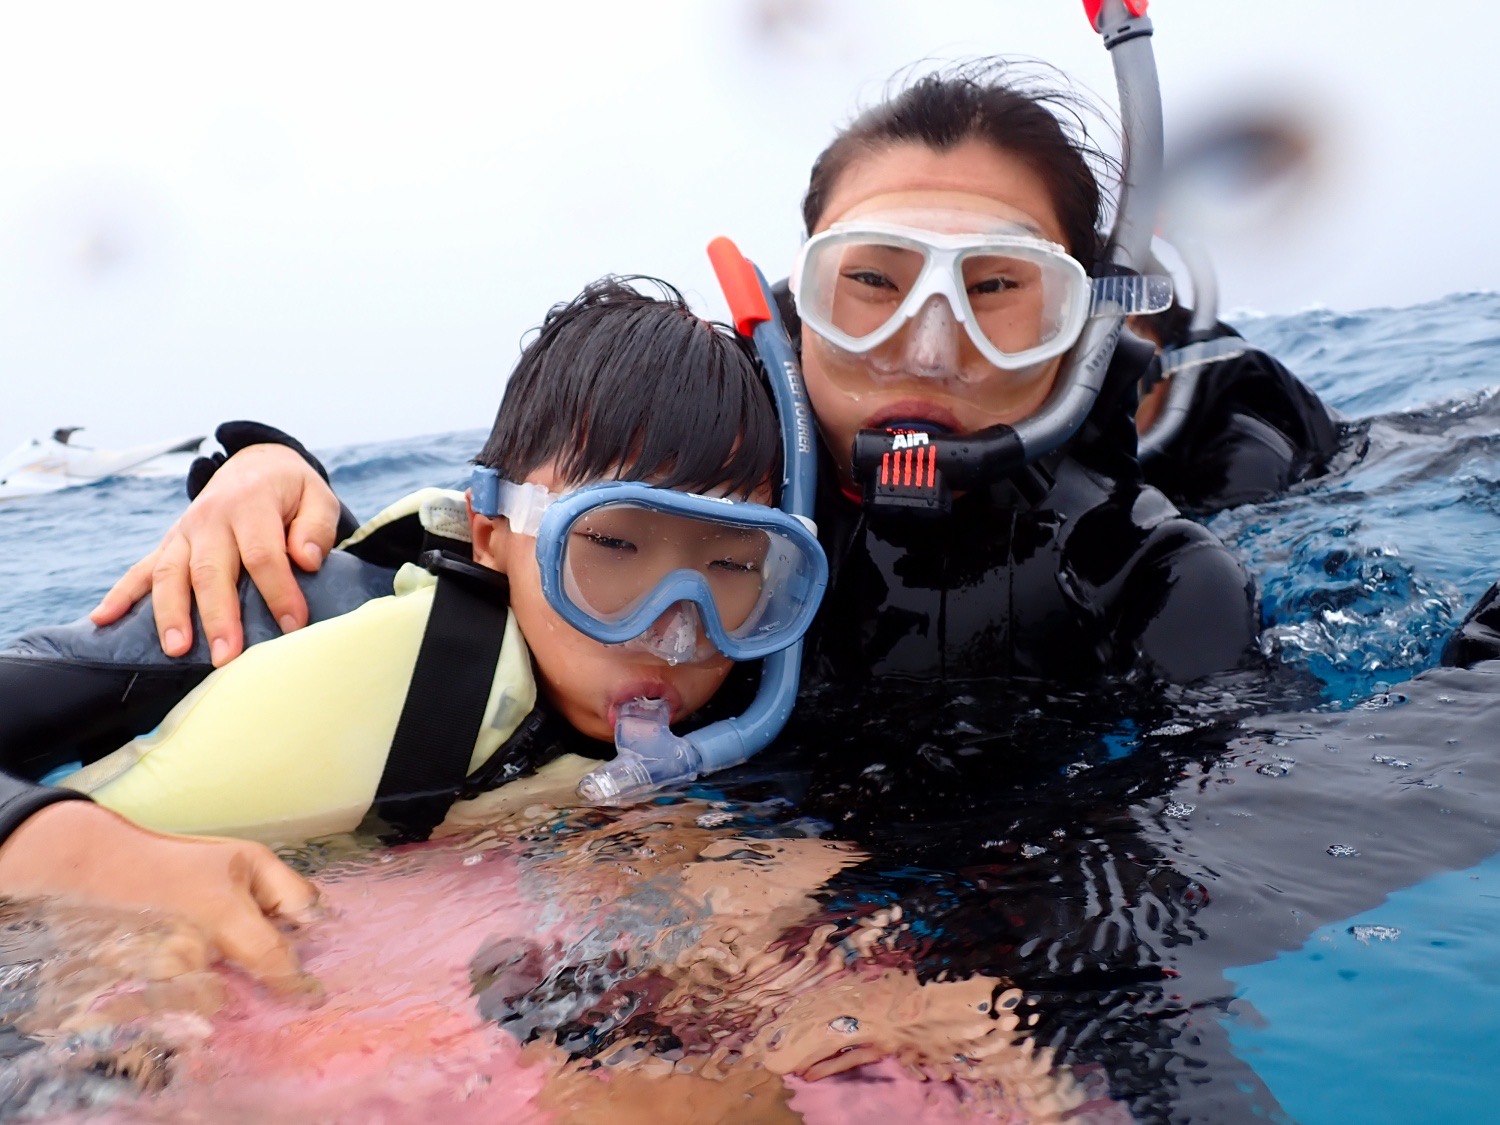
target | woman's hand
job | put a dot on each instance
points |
(264, 505)
(228, 890)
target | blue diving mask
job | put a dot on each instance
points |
(621, 560)
(648, 755)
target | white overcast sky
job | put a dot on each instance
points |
(341, 217)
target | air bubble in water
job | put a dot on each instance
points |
(844, 1025)
(1342, 850)
(1178, 810)
(1366, 934)
(1171, 730)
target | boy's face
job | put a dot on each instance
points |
(583, 679)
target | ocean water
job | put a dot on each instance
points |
(1270, 896)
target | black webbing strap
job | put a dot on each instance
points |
(444, 707)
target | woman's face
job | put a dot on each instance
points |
(972, 186)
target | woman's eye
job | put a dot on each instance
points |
(734, 566)
(993, 285)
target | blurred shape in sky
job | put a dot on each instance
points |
(343, 217)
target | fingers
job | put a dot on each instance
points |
(277, 889)
(315, 526)
(245, 937)
(172, 595)
(134, 585)
(262, 547)
(214, 571)
(261, 885)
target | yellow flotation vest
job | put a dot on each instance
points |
(290, 740)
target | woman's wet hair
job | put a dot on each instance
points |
(621, 384)
(994, 101)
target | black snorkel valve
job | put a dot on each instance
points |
(911, 468)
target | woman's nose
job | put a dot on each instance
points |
(932, 349)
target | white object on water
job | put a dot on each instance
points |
(52, 464)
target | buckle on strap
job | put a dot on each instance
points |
(472, 576)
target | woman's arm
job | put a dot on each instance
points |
(1188, 604)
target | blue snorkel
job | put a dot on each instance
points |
(647, 754)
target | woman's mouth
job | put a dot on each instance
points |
(914, 410)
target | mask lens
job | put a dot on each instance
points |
(1013, 305)
(857, 287)
(617, 555)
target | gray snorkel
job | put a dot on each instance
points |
(1183, 363)
(978, 459)
(647, 754)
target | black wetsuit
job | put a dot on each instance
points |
(1071, 570)
(1478, 638)
(1254, 429)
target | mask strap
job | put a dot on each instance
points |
(522, 504)
(1130, 294)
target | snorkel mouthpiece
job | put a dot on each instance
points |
(647, 756)
(913, 467)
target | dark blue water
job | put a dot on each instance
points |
(1389, 1014)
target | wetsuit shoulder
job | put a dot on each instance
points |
(296, 737)
(75, 692)
(1478, 638)
(1168, 592)
(1254, 429)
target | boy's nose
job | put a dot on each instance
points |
(674, 636)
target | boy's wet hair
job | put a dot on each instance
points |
(623, 385)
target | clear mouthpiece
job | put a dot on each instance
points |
(648, 756)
